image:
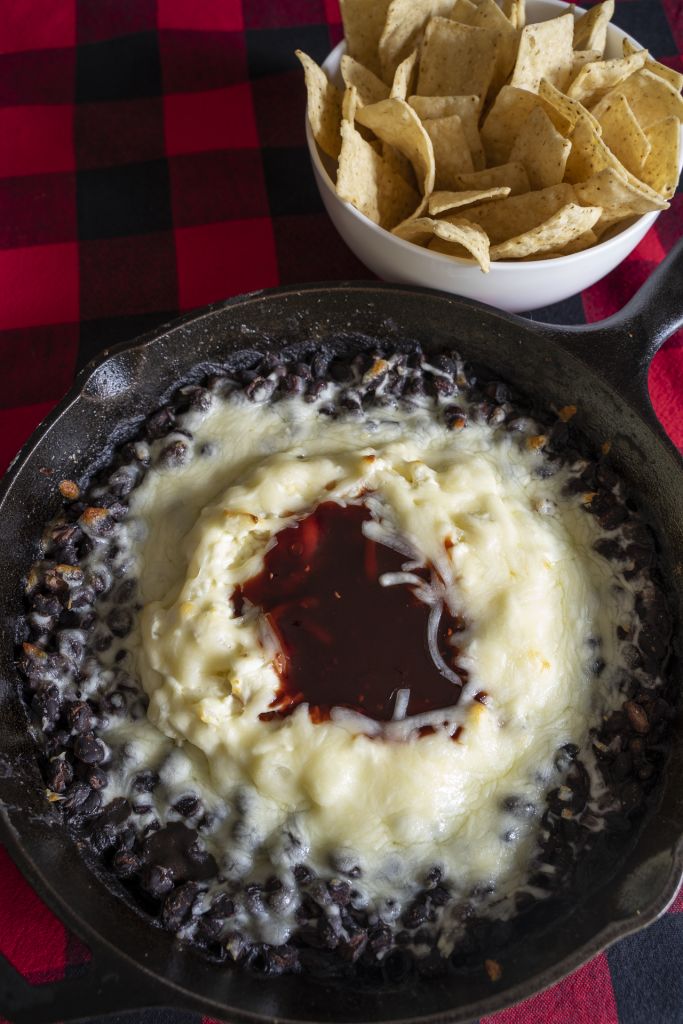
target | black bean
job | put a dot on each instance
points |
(80, 717)
(260, 389)
(120, 621)
(97, 522)
(146, 781)
(444, 386)
(102, 839)
(351, 948)
(303, 874)
(637, 717)
(433, 877)
(126, 591)
(178, 906)
(292, 384)
(340, 891)
(415, 915)
(160, 423)
(89, 749)
(174, 454)
(439, 895)
(320, 364)
(123, 480)
(46, 604)
(56, 743)
(76, 795)
(455, 418)
(156, 880)
(519, 807)
(47, 706)
(208, 929)
(222, 906)
(125, 863)
(196, 397)
(188, 806)
(315, 389)
(303, 370)
(351, 400)
(379, 938)
(59, 774)
(95, 777)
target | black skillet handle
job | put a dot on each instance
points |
(622, 347)
(101, 991)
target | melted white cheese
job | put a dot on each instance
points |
(515, 557)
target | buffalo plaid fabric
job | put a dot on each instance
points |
(153, 160)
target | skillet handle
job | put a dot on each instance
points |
(657, 308)
(105, 989)
(621, 348)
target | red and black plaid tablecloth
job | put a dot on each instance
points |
(152, 160)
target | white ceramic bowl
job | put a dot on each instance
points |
(508, 285)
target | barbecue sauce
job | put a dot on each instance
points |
(346, 640)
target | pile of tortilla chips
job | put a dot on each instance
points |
(465, 130)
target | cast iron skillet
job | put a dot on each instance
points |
(602, 370)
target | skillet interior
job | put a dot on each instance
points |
(124, 388)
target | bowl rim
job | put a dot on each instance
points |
(602, 247)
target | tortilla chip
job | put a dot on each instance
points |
(617, 196)
(405, 22)
(590, 30)
(458, 232)
(650, 97)
(350, 104)
(589, 154)
(507, 117)
(542, 150)
(570, 109)
(584, 241)
(503, 219)
(545, 51)
(395, 122)
(324, 106)
(451, 152)
(398, 162)
(467, 109)
(661, 168)
(463, 11)
(419, 211)
(404, 77)
(594, 80)
(489, 15)
(456, 60)
(674, 78)
(623, 135)
(363, 26)
(515, 11)
(371, 89)
(441, 202)
(567, 224)
(512, 176)
(583, 57)
(366, 180)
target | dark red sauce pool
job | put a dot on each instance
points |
(346, 639)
